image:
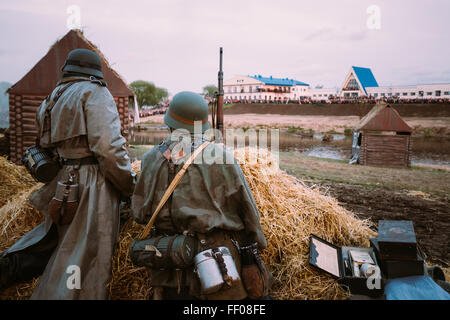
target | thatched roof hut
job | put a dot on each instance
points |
(27, 94)
(382, 138)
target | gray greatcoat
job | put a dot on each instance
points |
(84, 122)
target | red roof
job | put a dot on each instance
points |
(43, 77)
(383, 117)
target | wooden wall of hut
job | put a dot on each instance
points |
(385, 150)
(22, 122)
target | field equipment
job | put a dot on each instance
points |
(185, 109)
(255, 275)
(170, 252)
(64, 204)
(41, 163)
(84, 61)
(215, 269)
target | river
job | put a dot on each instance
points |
(425, 150)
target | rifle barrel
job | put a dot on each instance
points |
(219, 111)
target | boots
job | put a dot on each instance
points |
(22, 266)
(29, 263)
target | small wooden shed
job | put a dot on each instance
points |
(382, 138)
(27, 94)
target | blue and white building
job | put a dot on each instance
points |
(262, 88)
(359, 82)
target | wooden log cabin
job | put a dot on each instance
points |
(27, 94)
(382, 138)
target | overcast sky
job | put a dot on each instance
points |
(175, 44)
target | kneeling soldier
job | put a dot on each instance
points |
(211, 208)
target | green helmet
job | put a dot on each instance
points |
(84, 61)
(185, 108)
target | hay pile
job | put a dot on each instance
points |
(290, 212)
(129, 282)
(17, 217)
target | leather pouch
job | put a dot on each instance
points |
(64, 204)
(255, 275)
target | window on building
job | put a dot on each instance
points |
(375, 95)
(446, 93)
(235, 89)
(383, 95)
(413, 93)
(251, 88)
(438, 93)
(352, 84)
(405, 93)
(397, 94)
(429, 93)
(389, 94)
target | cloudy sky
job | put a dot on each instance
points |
(175, 43)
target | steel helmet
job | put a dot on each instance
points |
(84, 61)
(185, 108)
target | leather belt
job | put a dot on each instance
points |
(81, 161)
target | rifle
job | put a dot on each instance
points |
(217, 107)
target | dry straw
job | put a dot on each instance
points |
(17, 217)
(290, 212)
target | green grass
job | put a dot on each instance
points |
(433, 181)
(348, 131)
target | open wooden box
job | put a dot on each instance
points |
(330, 258)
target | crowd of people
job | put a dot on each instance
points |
(339, 100)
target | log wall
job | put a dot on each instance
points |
(385, 150)
(22, 122)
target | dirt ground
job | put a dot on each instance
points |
(375, 193)
(431, 217)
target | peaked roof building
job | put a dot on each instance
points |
(382, 117)
(26, 95)
(357, 80)
(43, 76)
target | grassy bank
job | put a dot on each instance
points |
(434, 182)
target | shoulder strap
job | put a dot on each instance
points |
(170, 189)
(46, 122)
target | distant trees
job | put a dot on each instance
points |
(147, 94)
(209, 91)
